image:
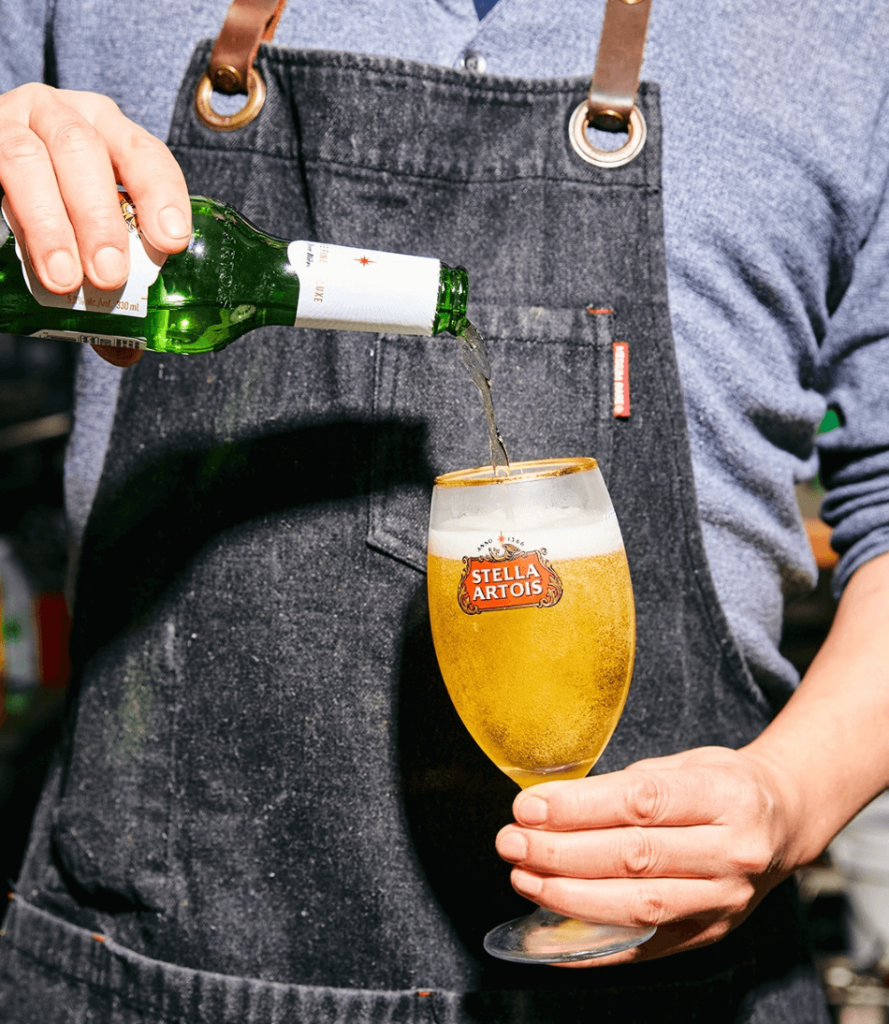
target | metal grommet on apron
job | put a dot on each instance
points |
(577, 134)
(268, 811)
(203, 101)
(610, 104)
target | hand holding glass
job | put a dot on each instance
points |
(534, 629)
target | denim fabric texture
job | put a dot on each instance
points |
(66, 975)
(269, 809)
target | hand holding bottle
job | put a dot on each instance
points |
(62, 154)
(67, 267)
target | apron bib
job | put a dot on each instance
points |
(268, 809)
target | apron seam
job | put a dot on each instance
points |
(393, 67)
(96, 987)
(371, 170)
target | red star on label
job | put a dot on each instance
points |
(363, 260)
(501, 538)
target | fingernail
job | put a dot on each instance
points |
(171, 220)
(512, 846)
(110, 264)
(62, 269)
(526, 883)
(531, 810)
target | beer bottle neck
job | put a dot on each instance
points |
(453, 295)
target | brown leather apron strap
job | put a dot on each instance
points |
(609, 106)
(247, 24)
(615, 80)
(611, 103)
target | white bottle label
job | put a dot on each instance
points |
(363, 290)
(130, 300)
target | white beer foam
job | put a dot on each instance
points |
(563, 532)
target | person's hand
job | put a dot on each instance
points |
(62, 154)
(690, 843)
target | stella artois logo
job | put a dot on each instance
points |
(507, 577)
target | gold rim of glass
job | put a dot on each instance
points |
(518, 472)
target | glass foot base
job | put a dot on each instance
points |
(548, 938)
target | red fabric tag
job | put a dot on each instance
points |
(621, 363)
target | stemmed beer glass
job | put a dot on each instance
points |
(533, 622)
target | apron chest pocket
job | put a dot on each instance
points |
(552, 392)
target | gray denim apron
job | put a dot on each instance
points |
(268, 810)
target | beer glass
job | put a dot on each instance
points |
(533, 622)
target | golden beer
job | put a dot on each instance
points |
(534, 625)
(539, 689)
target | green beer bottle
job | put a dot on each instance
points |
(231, 279)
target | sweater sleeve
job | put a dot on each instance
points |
(23, 43)
(855, 365)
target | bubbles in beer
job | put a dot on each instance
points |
(475, 359)
(540, 689)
